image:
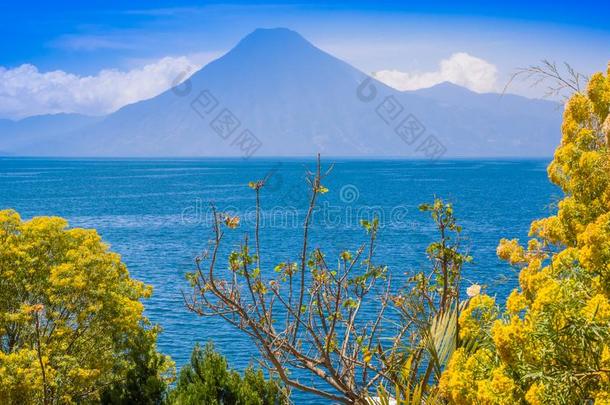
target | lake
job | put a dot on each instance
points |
(156, 214)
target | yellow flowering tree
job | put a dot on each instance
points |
(552, 344)
(70, 314)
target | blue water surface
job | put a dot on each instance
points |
(155, 213)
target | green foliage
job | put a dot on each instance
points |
(430, 308)
(445, 256)
(148, 379)
(208, 380)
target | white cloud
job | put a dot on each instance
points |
(460, 68)
(25, 91)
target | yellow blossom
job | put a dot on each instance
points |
(516, 302)
(556, 324)
(597, 309)
(535, 395)
(69, 310)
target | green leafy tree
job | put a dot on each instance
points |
(208, 380)
(147, 380)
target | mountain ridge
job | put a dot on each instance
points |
(296, 100)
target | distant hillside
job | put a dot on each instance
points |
(40, 134)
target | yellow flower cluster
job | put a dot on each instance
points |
(470, 379)
(477, 316)
(552, 345)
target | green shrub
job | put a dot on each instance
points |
(208, 380)
(147, 380)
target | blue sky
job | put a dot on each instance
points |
(411, 39)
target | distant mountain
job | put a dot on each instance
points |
(275, 94)
(39, 135)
